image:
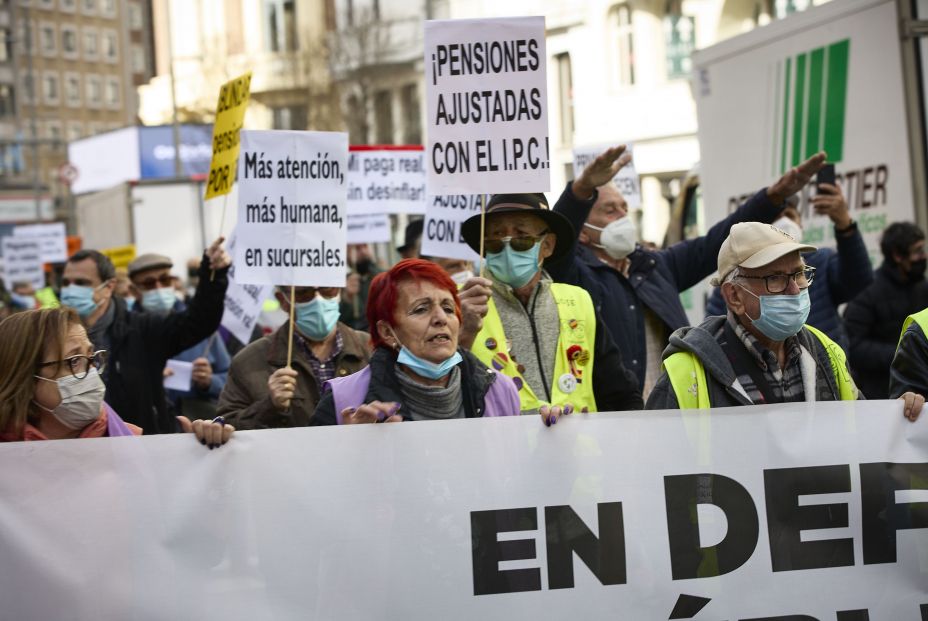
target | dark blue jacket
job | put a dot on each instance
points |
(839, 277)
(655, 278)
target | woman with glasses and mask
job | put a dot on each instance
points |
(417, 370)
(548, 337)
(51, 388)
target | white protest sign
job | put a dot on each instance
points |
(487, 106)
(22, 262)
(626, 180)
(441, 234)
(243, 302)
(52, 237)
(369, 229)
(180, 376)
(291, 214)
(384, 180)
(793, 512)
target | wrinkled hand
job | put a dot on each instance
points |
(830, 202)
(202, 373)
(912, 405)
(600, 171)
(282, 386)
(373, 412)
(551, 414)
(208, 433)
(795, 179)
(475, 297)
(217, 255)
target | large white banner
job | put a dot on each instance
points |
(441, 233)
(487, 106)
(384, 179)
(803, 512)
(291, 215)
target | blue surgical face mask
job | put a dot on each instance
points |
(512, 267)
(23, 301)
(425, 368)
(317, 318)
(79, 298)
(130, 303)
(159, 300)
(781, 316)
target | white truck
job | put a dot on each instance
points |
(845, 77)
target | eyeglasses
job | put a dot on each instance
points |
(165, 280)
(307, 294)
(80, 365)
(519, 244)
(778, 283)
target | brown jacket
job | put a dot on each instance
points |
(245, 401)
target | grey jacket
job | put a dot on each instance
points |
(724, 388)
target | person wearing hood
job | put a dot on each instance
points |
(548, 337)
(874, 318)
(637, 290)
(262, 392)
(150, 281)
(761, 352)
(140, 344)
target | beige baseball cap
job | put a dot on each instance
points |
(752, 245)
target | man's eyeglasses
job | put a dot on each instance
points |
(165, 280)
(519, 244)
(80, 365)
(778, 283)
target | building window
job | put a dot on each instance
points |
(6, 45)
(680, 38)
(90, 44)
(620, 19)
(113, 92)
(28, 90)
(48, 39)
(108, 8)
(412, 116)
(53, 130)
(50, 89)
(135, 16)
(75, 130)
(67, 6)
(565, 91)
(94, 92)
(383, 112)
(89, 7)
(280, 25)
(72, 89)
(7, 100)
(110, 46)
(69, 41)
(290, 117)
(137, 58)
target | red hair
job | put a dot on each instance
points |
(384, 291)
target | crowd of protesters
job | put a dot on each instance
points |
(572, 314)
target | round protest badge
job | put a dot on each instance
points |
(490, 344)
(567, 383)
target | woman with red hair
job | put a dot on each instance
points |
(417, 370)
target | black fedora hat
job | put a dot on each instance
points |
(535, 204)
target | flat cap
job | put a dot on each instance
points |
(149, 261)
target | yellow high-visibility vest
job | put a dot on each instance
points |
(573, 368)
(688, 376)
(921, 318)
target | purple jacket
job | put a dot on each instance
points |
(485, 392)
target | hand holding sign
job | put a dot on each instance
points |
(600, 171)
(217, 255)
(474, 296)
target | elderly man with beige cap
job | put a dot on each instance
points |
(762, 351)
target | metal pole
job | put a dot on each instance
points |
(175, 128)
(33, 125)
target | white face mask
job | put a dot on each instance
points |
(618, 238)
(462, 277)
(81, 399)
(789, 227)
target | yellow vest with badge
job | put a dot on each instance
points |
(921, 318)
(688, 376)
(573, 367)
